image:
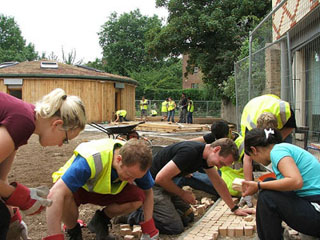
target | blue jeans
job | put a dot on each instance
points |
(171, 115)
(189, 117)
(199, 181)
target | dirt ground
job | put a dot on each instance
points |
(34, 165)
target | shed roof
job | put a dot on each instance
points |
(33, 69)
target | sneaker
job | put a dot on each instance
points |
(74, 233)
(99, 224)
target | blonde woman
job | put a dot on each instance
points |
(56, 119)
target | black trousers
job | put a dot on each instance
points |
(273, 207)
(4, 220)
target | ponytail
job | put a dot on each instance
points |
(69, 108)
(261, 138)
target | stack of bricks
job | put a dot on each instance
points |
(128, 234)
(220, 221)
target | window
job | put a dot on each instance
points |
(50, 65)
(194, 85)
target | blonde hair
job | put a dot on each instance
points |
(69, 108)
(267, 120)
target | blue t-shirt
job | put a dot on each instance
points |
(79, 172)
(307, 164)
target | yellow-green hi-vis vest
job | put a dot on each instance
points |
(99, 156)
(228, 174)
(265, 103)
(190, 107)
(121, 113)
(164, 106)
(144, 104)
(171, 105)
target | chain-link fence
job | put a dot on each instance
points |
(201, 108)
(284, 59)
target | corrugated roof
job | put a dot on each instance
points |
(33, 69)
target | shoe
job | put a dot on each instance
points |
(99, 224)
(74, 233)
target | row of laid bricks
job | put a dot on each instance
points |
(220, 221)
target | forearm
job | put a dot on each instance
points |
(247, 167)
(285, 184)
(148, 205)
(198, 139)
(222, 189)
(171, 187)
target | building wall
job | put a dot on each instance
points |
(97, 96)
(290, 14)
(273, 70)
(191, 79)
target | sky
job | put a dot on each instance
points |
(70, 24)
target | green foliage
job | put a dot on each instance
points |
(123, 42)
(12, 45)
(210, 32)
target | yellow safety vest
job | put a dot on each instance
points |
(121, 113)
(164, 106)
(171, 105)
(99, 156)
(265, 103)
(228, 174)
(190, 106)
(154, 113)
(144, 104)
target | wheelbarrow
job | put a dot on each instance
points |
(122, 132)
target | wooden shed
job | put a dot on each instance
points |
(102, 93)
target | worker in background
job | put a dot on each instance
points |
(164, 109)
(171, 110)
(249, 119)
(190, 110)
(183, 104)
(56, 119)
(294, 196)
(105, 172)
(121, 116)
(153, 113)
(144, 108)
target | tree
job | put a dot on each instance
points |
(210, 32)
(12, 45)
(123, 42)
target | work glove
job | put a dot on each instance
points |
(149, 230)
(247, 200)
(18, 229)
(59, 236)
(30, 200)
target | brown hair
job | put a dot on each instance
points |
(267, 120)
(227, 147)
(136, 151)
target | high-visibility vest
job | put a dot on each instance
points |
(121, 113)
(171, 105)
(265, 103)
(154, 113)
(190, 106)
(164, 106)
(228, 174)
(144, 104)
(99, 156)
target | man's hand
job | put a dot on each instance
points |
(244, 212)
(149, 230)
(30, 201)
(188, 197)
(18, 229)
